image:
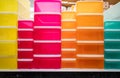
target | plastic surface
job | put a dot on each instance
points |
(68, 54)
(25, 64)
(8, 48)
(68, 64)
(112, 54)
(112, 24)
(47, 62)
(68, 24)
(25, 24)
(47, 34)
(112, 34)
(68, 44)
(8, 19)
(90, 34)
(112, 45)
(5, 6)
(8, 63)
(25, 54)
(47, 48)
(90, 48)
(52, 6)
(25, 34)
(90, 20)
(112, 64)
(89, 7)
(68, 15)
(68, 34)
(25, 44)
(92, 63)
(8, 33)
(47, 20)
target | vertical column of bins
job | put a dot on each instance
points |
(68, 39)
(25, 44)
(47, 34)
(8, 34)
(112, 44)
(90, 34)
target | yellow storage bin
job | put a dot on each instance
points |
(8, 63)
(8, 48)
(8, 5)
(68, 15)
(89, 7)
(8, 33)
(8, 19)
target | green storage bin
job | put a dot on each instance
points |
(112, 54)
(112, 65)
(112, 34)
(112, 25)
(112, 44)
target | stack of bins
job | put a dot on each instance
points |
(25, 44)
(112, 44)
(68, 39)
(47, 34)
(8, 34)
(90, 34)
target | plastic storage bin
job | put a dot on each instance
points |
(112, 64)
(47, 0)
(68, 44)
(47, 47)
(68, 15)
(90, 20)
(7, 7)
(68, 64)
(90, 34)
(47, 62)
(25, 44)
(25, 54)
(68, 24)
(112, 24)
(112, 54)
(89, 7)
(47, 20)
(92, 62)
(8, 19)
(47, 34)
(8, 33)
(68, 54)
(68, 34)
(8, 63)
(90, 48)
(52, 6)
(25, 24)
(25, 64)
(112, 45)
(112, 34)
(8, 48)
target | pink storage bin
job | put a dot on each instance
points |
(47, 20)
(25, 33)
(47, 48)
(25, 64)
(47, 6)
(47, 34)
(25, 44)
(25, 54)
(47, 62)
(25, 24)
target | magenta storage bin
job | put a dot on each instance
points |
(47, 34)
(25, 33)
(47, 20)
(25, 44)
(25, 24)
(47, 48)
(25, 64)
(47, 6)
(25, 54)
(47, 62)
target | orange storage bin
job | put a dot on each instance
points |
(68, 34)
(68, 63)
(68, 15)
(68, 44)
(90, 20)
(90, 34)
(90, 62)
(90, 48)
(68, 24)
(89, 7)
(68, 54)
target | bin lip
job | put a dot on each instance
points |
(48, 56)
(69, 49)
(25, 60)
(21, 50)
(112, 60)
(68, 59)
(112, 21)
(9, 27)
(9, 13)
(90, 55)
(47, 27)
(112, 50)
(49, 13)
